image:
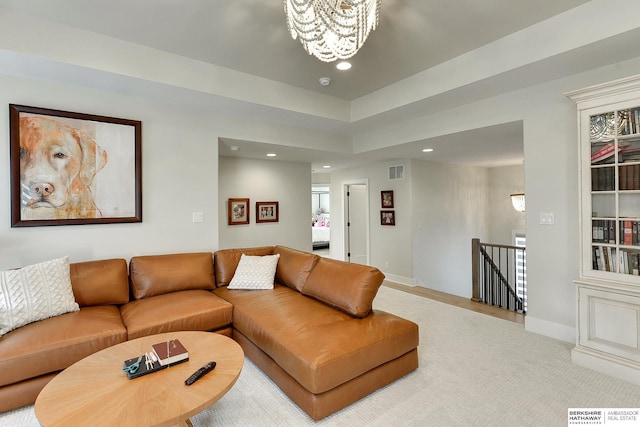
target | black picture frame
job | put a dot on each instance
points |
(387, 217)
(72, 168)
(386, 199)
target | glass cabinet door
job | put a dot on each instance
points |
(614, 139)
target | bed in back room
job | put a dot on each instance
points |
(320, 229)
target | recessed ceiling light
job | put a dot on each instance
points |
(324, 81)
(234, 148)
(427, 150)
(343, 65)
(326, 167)
(271, 154)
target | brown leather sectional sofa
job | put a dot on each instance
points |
(315, 334)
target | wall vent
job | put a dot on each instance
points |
(396, 172)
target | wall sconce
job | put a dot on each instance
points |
(517, 200)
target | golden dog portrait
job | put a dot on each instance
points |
(58, 164)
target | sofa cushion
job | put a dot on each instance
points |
(294, 266)
(226, 261)
(255, 272)
(160, 274)
(348, 287)
(100, 282)
(319, 346)
(53, 344)
(192, 310)
(35, 292)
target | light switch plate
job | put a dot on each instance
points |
(198, 217)
(546, 218)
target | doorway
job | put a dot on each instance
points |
(320, 219)
(356, 224)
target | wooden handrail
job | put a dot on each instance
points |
(495, 245)
(503, 280)
(489, 283)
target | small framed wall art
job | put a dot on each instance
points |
(387, 199)
(238, 211)
(267, 211)
(387, 218)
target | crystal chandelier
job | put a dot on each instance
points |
(331, 29)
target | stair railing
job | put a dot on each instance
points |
(499, 275)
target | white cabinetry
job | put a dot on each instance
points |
(608, 289)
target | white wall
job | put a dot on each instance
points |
(179, 176)
(551, 181)
(389, 246)
(321, 178)
(504, 219)
(450, 207)
(439, 209)
(551, 173)
(266, 181)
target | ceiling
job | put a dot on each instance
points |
(491, 146)
(250, 36)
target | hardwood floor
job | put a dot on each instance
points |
(458, 302)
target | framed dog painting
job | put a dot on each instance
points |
(72, 168)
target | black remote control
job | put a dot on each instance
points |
(200, 373)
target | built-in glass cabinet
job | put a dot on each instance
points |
(614, 190)
(608, 289)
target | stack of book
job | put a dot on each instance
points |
(629, 261)
(629, 177)
(161, 356)
(629, 233)
(603, 153)
(630, 154)
(170, 352)
(632, 123)
(604, 231)
(603, 178)
(607, 151)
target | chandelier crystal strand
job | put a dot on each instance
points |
(331, 29)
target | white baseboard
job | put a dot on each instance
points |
(607, 364)
(550, 329)
(407, 281)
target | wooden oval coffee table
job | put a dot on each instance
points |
(95, 391)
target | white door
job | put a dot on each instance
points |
(357, 225)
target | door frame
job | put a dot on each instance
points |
(345, 213)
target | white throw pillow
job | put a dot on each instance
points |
(255, 272)
(35, 292)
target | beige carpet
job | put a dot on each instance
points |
(475, 370)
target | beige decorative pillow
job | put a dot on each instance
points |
(255, 272)
(35, 292)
